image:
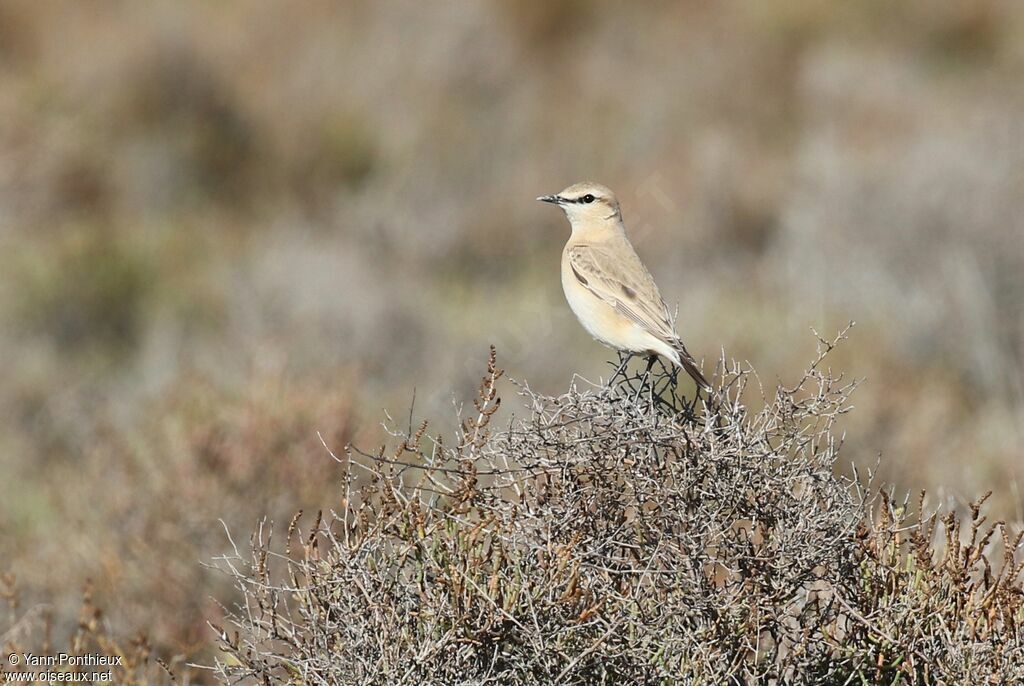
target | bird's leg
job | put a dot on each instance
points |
(624, 358)
(673, 374)
(662, 382)
(645, 381)
(672, 384)
(651, 359)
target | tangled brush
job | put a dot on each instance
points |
(620, 533)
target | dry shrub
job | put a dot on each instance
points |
(615, 534)
(946, 613)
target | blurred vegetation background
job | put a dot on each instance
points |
(224, 228)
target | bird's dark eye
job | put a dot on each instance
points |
(588, 198)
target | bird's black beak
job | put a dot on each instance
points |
(556, 199)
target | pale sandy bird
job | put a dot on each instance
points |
(607, 286)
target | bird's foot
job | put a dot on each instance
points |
(624, 358)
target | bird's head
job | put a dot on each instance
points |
(585, 203)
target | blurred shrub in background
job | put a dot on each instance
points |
(88, 292)
(138, 513)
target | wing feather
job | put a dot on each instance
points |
(615, 275)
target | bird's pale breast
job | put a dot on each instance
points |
(601, 320)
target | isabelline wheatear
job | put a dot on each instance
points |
(607, 286)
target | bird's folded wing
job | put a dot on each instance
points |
(620, 279)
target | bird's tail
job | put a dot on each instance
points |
(689, 364)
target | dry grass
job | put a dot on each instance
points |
(615, 534)
(31, 630)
